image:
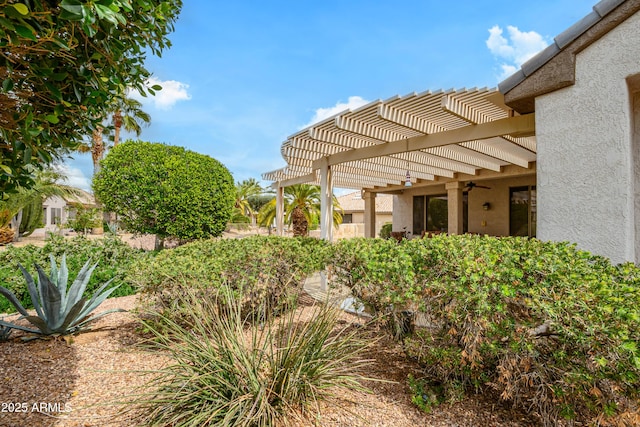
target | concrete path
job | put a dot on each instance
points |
(341, 298)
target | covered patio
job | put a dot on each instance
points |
(465, 147)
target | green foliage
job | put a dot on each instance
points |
(114, 259)
(551, 328)
(266, 273)
(427, 395)
(166, 190)
(60, 309)
(385, 230)
(84, 219)
(64, 61)
(32, 217)
(223, 374)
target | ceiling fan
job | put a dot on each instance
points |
(471, 185)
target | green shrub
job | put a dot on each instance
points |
(378, 272)
(165, 190)
(222, 373)
(112, 255)
(266, 273)
(385, 230)
(551, 328)
(85, 219)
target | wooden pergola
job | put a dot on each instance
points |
(417, 139)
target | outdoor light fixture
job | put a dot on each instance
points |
(486, 206)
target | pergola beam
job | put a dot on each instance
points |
(294, 181)
(515, 126)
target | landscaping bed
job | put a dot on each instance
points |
(89, 374)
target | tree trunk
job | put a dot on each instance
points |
(15, 225)
(97, 149)
(159, 244)
(117, 124)
(299, 222)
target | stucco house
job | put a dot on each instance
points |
(352, 205)
(57, 210)
(553, 152)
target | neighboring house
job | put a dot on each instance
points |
(352, 205)
(57, 210)
(554, 153)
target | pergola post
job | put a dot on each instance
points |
(279, 210)
(369, 214)
(326, 203)
(455, 207)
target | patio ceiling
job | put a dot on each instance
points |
(435, 135)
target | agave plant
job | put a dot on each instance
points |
(59, 309)
(5, 331)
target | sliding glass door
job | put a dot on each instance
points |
(431, 213)
(522, 211)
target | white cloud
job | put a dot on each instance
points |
(74, 177)
(324, 113)
(172, 92)
(516, 49)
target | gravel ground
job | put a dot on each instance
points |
(79, 381)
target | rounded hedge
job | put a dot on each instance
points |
(165, 190)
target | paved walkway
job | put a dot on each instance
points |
(338, 297)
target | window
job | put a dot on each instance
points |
(56, 216)
(431, 213)
(347, 218)
(522, 211)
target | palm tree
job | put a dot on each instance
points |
(127, 113)
(245, 190)
(301, 208)
(47, 184)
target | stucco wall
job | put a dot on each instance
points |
(55, 202)
(356, 228)
(585, 163)
(494, 222)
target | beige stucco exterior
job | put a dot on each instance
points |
(588, 161)
(494, 222)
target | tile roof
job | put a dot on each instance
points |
(561, 41)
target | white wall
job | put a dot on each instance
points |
(54, 202)
(586, 171)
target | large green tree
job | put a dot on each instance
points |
(165, 190)
(61, 63)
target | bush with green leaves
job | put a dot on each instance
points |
(60, 309)
(84, 219)
(62, 62)
(113, 256)
(228, 369)
(553, 329)
(266, 273)
(166, 190)
(385, 230)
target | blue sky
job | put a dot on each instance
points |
(242, 76)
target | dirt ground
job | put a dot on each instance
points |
(83, 381)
